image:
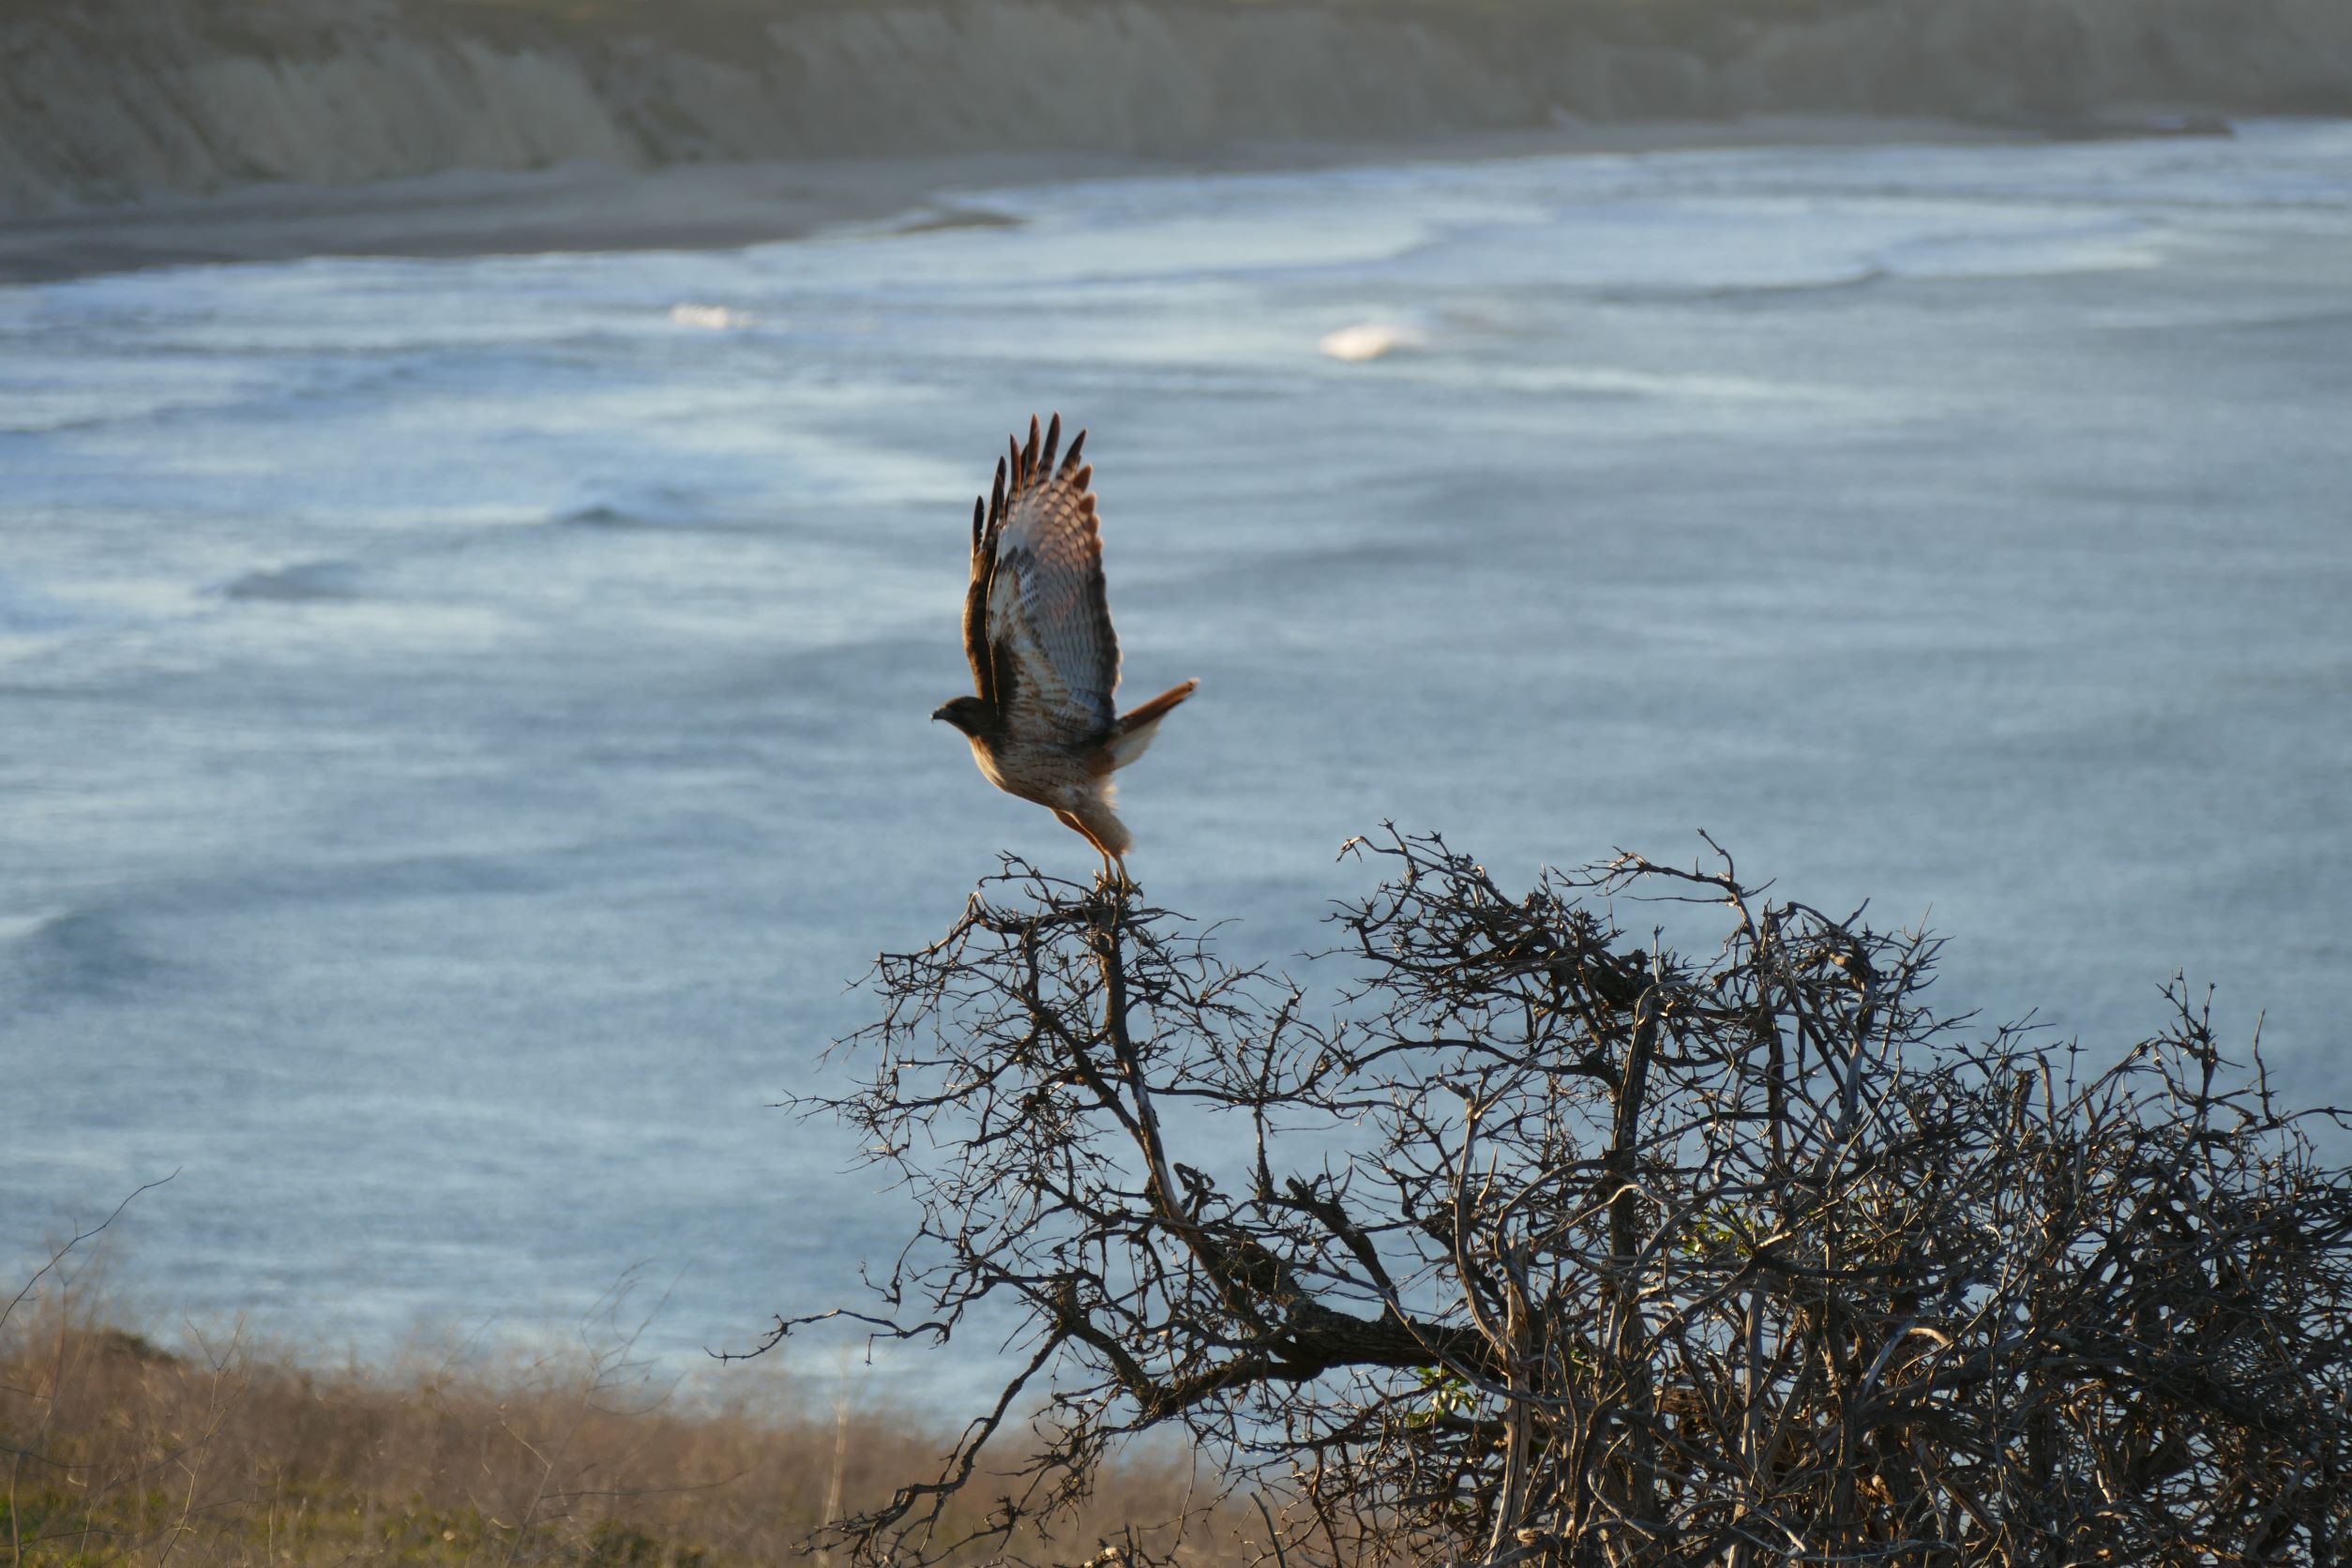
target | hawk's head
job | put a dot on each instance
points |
(968, 714)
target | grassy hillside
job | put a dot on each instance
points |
(120, 1452)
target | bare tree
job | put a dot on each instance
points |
(1538, 1245)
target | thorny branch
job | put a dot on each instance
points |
(1546, 1248)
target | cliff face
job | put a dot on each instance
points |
(112, 103)
(104, 99)
(2029, 59)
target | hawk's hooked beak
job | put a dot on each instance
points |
(938, 712)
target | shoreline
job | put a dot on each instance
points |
(593, 208)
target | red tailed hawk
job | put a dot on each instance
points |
(1037, 630)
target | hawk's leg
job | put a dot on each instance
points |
(1114, 866)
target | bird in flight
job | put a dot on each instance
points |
(1037, 630)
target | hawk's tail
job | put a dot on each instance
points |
(1132, 735)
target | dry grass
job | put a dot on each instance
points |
(117, 1450)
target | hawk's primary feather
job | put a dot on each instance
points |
(1048, 617)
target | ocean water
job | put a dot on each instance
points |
(466, 720)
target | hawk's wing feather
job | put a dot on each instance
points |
(1054, 658)
(976, 599)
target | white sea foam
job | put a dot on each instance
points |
(1372, 340)
(711, 318)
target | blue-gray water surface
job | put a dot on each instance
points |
(466, 719)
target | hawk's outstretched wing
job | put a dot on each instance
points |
(1036, 621)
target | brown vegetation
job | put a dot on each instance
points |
(115, 1451)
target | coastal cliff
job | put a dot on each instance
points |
(107, 100)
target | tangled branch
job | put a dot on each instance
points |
(1544, 1247)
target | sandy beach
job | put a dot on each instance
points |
(592, 208)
